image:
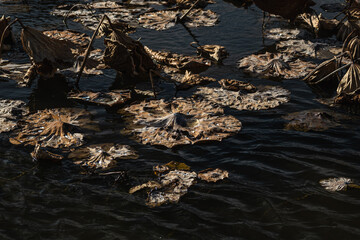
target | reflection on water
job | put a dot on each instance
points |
(273, 189)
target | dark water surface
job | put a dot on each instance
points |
(272, 192)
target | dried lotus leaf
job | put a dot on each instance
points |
(190, 80)
(344, 31)
(264, 98)
(47, 53)
(109, 99)
(213, 175)
(353, 46)
(295, 47)
(336, 184)
(165, 19)
(150, 184)
(322, 26)
(350, 83)
(182, 121)
(275, 65)
(236, 85)
(42, 154)
(10, 112)
(348, 98)
(58, 128)
(215, 53)
(81, 40)
(173, 62)
(102, 156)
(321, 71)
(170, 166)
(283, 34)
(310, 121)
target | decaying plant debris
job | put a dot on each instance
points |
(275, 65)
(173, 62)
(8, 39)
(44, 154)
(181, 121)
(264, 98)
(319, 24)
(165, 19)
(322, 71)
(55, 128)
(109, 99)
(312, 121)
(175, 180)
(215, 53)
(336, 184)
(10, 112)
(350, 83)
(190, 80)
(102, 156)
(283, 34)
(236, 85)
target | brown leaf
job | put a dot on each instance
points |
(213, 175)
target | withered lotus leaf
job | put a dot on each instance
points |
(310, 121)
(265, 98)
(275, 65)
(102, 156)
(55, 128)
(352, 45)
(322, 26)
(283, 34)
(79, 40)
(110, 99)
(345, 29)
(45, 52)
(348, 98)
(350, 83)
(126, 55)
(43, 154)
(190, 80)
(170, 166)
(171, 187)
(213, 175)
(10, 112)
(181, 121)
(296, 47)
(321, 71)
(165, 19)
(236, 85)
(215, 53)
(336, 184)
(286, 9)
(173, 62)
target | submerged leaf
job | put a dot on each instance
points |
(336, 184)
(10, 112)
(264, 98)
(275, 65)
(213, 175)
(182, 121)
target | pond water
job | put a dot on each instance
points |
(273, 189)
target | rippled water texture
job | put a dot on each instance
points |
(273, 189)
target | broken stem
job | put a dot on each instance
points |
(152, 82)
(333, 72)
(6, 29)
(88, 51)
(188, 11)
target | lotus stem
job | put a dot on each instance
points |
(188, 11)
(5, 30)
(68, 13)
(88, 51)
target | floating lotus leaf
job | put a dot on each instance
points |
(190, 80)
(297, 47)
(165, 19)
(275, 65)
(8, 37)
(286, 9)
(90, 14)
(47, 53)
(58, 128)
(321, 71)
(171, 187)
(102, 156)
(171, 166)
(336, 184)
(215, 53)
(127, 56)
(213, 175)
(236, 85)
(173, 62)
(264, 98)
(182, 121)
(42, 154)
(311, 121)
(110, 99)
(350, 83)
(10, 112)
(283, 34)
